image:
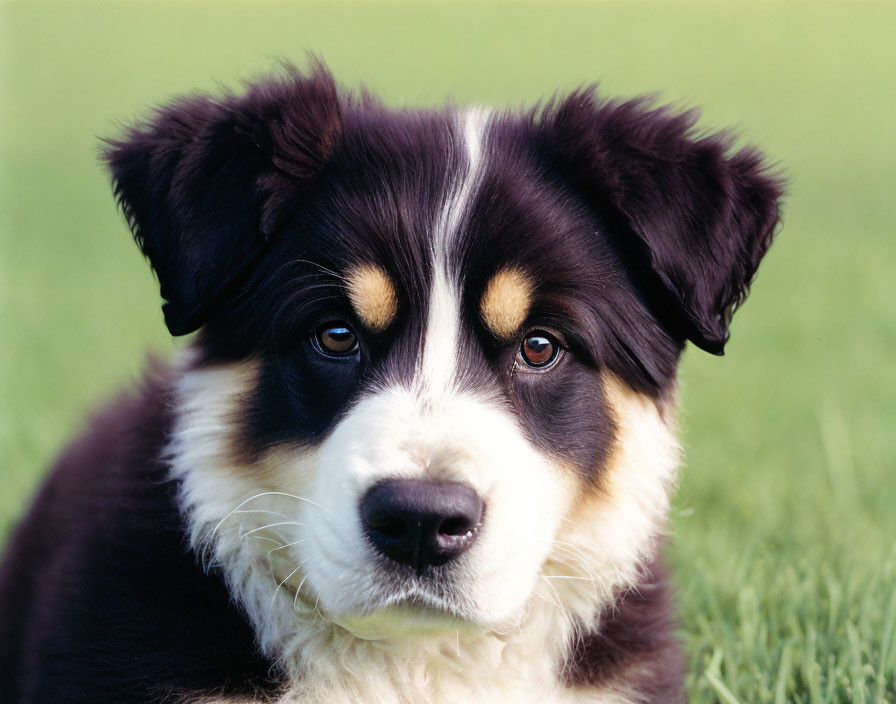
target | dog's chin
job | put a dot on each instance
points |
(403, 620)
(401, 616)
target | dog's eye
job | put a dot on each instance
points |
(540, 349)
(335, 339)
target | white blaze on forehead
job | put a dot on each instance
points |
(472, 126)
(437, 366)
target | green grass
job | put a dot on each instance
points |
(784, 531)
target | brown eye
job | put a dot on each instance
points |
(335, 339)
(539, 349)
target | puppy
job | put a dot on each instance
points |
(421, 446)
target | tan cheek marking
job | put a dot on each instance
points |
(276, 468)
(645, 434)
(230, 400)
(506, 302)
(372, 295)
(617, 522)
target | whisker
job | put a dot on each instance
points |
(258, 496)
(285, 579)
(576, 565)
(272, 525)
(561, 552)
(262, 510)
(556, 594)
(315, 264)
(295, 600)
(291, 496)
(264, 537)
(570, 546)
(579, 558)
(288, 545)
(550, 601)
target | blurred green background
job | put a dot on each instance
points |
(784, 528)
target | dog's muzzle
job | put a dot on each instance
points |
(421, 523)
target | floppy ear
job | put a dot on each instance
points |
(205, 183)
(696, 218)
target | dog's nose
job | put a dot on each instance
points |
(420, 522)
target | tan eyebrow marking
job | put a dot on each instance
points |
(372, 295)
(506, 302)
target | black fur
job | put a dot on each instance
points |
(207, 182)
(637, 632)
(100, 600)
(699, 218)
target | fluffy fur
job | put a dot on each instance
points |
(204, 540)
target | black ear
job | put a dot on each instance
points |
(206, 182)
(696, 218)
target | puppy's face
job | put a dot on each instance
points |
(437, 350)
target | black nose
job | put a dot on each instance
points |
(420, 522)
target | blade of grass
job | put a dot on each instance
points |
(783, 673)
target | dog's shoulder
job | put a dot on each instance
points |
(98, 586)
